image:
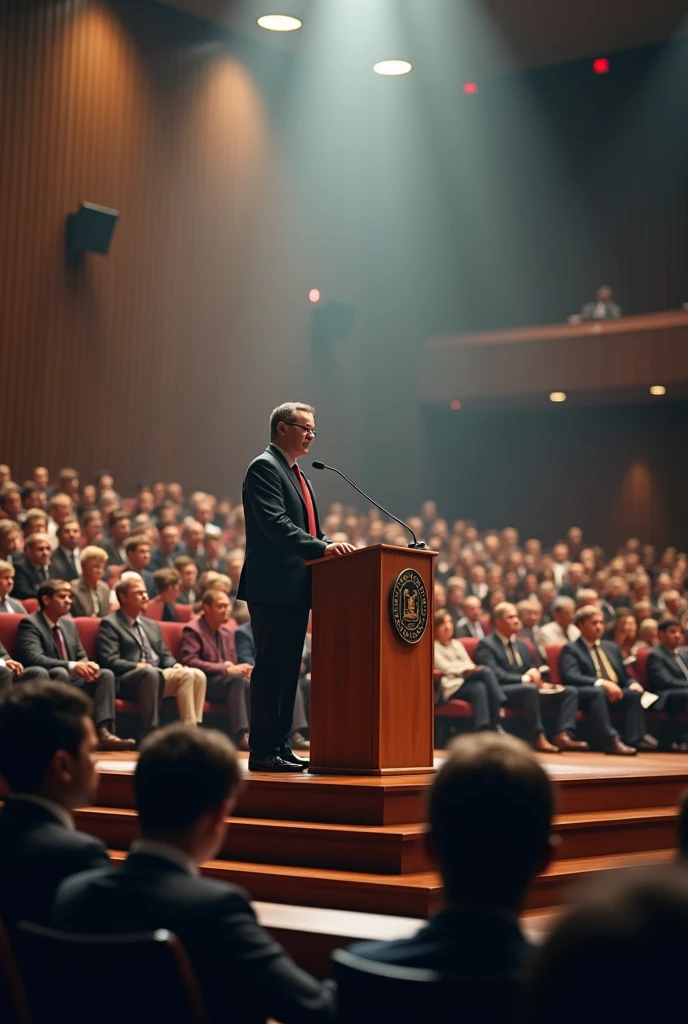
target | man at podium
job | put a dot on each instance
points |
(282, 533)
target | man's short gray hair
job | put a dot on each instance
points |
(285, 413)
(563, 602)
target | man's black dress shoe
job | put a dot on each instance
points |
(287, 754)
(274, 763)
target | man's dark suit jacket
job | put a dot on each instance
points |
(577, 668)
(114, 557)
(16, 606)
(119, 648)
(60, 567)
(664, 674)
(36, 642)
(37, 852)
(203, 564)
(474, 942)
(159, 560)
(27, 579)
(243, 973)
(82, 606)
(277, 538)
(245, 644)
(198, 648)
(464, 628)
(490, 652)
(611, 311)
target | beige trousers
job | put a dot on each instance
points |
(188, 686)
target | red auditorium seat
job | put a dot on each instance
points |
(31, 605)
(553, 652)
(641, 665)
(8, 631)
(87, 629)
(471, 645)
(172, 635)
(184, 612)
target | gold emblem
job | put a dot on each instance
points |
(409, 606)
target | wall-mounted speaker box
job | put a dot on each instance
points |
(90, 228)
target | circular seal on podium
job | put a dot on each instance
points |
(408, 598)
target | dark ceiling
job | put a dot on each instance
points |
(521, 33)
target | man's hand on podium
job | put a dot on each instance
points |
(339, 549)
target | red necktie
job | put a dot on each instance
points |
(310, 510)
(59, 641)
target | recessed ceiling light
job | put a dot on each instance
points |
(558, 396)
(658, 389)
(392, 67)
(279, 23)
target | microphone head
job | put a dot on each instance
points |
(318, 465)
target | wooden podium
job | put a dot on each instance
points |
(372, 698)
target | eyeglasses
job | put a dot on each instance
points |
(307, 430)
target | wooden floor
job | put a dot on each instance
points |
(356, 844)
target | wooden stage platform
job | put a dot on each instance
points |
(356, 843)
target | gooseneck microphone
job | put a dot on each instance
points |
(415, 543)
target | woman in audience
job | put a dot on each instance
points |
(647, 633)
(90, 595)
(457, 676)
(625, 633)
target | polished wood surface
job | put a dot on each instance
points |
(372, 697)
(599, 356)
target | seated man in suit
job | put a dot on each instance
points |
(168, 584)
(33, 567)
(7, 603)
(595, 667)
(188, 570)
(561, 630)
(66, 560)
(138, 551)
(246, 653)
(11, 503)
(119, 526)
(90, 595)
(92, 528)
(49, 639)
(495, 783)
(186, 785)
(604, 307)
(212, 557)
(192, 535)
(47, 758)
(469, 624)
(530, 616)
(511, 662)
(163, 556)
(667, 675)
(208, 644)
(132, 647)
(61, 507)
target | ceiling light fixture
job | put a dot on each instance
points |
(279, 22)
(658, 389)
(557, 396)
(392, 68)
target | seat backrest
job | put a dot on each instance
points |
(553, 652)
(8, 631)
(184, 612)
(641, 664)
(369, 992)
(87, 629)
(172, 635)
(471, 645)
(31, 604)
(151, 977)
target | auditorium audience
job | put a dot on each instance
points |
(186, 784)
(138, 552)
(49, 639)
(92, 527)
(490, 817)
(163, 556)
(595, 667)
(208, 644)
(90, 595)
(11, 539)
(625, 635)
(470, 623)
(33, 566)
(47, 759)
(561, 629)
(511, 662)
(60, 508)
(132, 647)
(212, 557)
(603, 308)
(648, 633)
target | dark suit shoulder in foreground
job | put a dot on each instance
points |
(244, 974)
(37, 852)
